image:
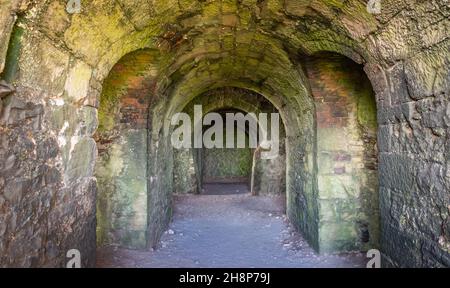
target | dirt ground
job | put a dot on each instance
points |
(227, 227)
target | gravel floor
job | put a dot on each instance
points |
(227, 227)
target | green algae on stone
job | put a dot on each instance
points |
(12, 57)
(122, 189)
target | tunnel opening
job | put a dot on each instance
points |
(232, 165)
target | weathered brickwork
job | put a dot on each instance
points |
(121, 169)
(347, 154)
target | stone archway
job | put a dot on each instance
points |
(121, 139)
(270, 178)
(347, 153)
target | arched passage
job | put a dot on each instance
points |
(122, 136)
(347, 153)
(311, 190)
(301, 181)
(270, 177)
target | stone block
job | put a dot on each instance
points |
(427, 73)
(42, 66)
(337, 237)
(336, 186)
(397, 171)
(81, 160)
(78, 80)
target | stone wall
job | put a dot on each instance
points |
(414, 163)
(48, 155)
(184, 175)
(224, 165)
(269, 175)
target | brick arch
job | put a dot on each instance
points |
(124, 109)
(347, 155)
(294, 104)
